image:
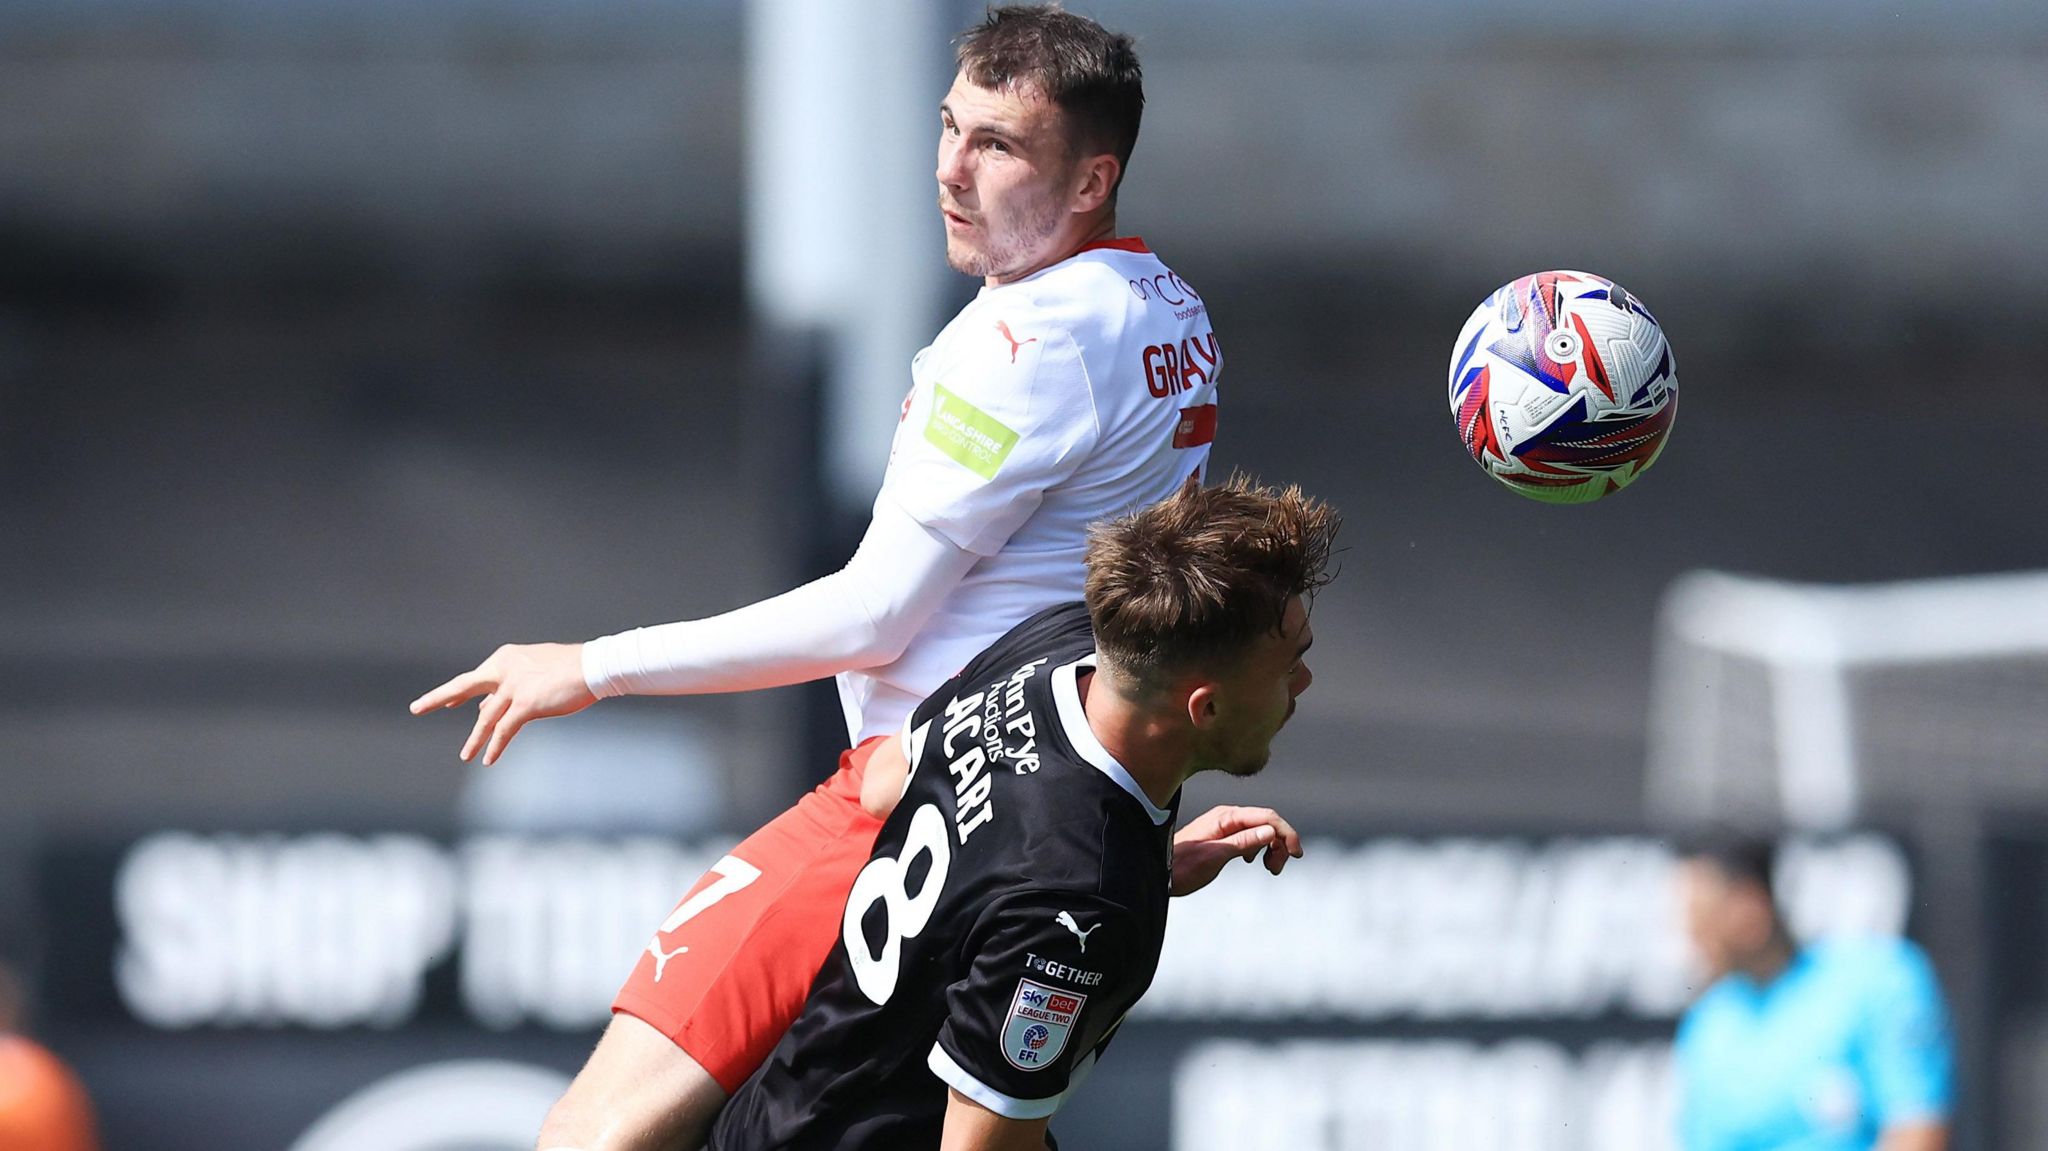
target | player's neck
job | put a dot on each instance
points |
(1769, 961)
(1088, 230)
(1152, 747)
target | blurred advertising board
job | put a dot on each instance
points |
(317, 992)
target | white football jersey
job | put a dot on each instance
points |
(1078, 393)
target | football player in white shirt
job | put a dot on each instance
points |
(1079, 384)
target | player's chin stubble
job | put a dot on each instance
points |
(1245, 769)
(1014, 248)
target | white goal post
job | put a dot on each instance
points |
(1813, 705)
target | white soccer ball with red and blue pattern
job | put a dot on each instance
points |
(1563, 387)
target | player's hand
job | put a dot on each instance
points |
(519, 683)
(881, 785)
(1221, 834)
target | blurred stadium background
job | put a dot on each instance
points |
(342, 342)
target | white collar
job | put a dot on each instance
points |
(1066, 694)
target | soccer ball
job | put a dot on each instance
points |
(1563, 387)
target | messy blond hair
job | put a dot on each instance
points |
(1190, 582)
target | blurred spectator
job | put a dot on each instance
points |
(1839, 1045)
(43, 1107)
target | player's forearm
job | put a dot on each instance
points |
(861, 616)
(816, 630)
(971, 1127)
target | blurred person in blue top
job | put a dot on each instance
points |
(1840, 1045)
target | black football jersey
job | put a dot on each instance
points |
(1011, 913)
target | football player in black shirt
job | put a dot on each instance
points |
(1015, 903)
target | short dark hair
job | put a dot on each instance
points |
(1088, 72)
(1191, 581)
(1740, 855)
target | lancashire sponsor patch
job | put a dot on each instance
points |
(1040, 1019)
(969, 436)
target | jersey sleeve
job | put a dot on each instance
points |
(1051, 979)
(859, 616)
(984, 437)
(1906, 1028)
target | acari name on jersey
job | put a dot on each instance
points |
(986, 717)
(972, 803)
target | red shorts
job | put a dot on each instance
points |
(729, 969)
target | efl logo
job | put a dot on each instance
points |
(1040, 1021)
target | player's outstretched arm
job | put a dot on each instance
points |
(1206, 843)
(862, 615)
(972, 1127)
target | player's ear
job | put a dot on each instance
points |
(1095, 181)
(1202, 707)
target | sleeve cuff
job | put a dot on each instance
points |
(598, 660)
(1009, 1107)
